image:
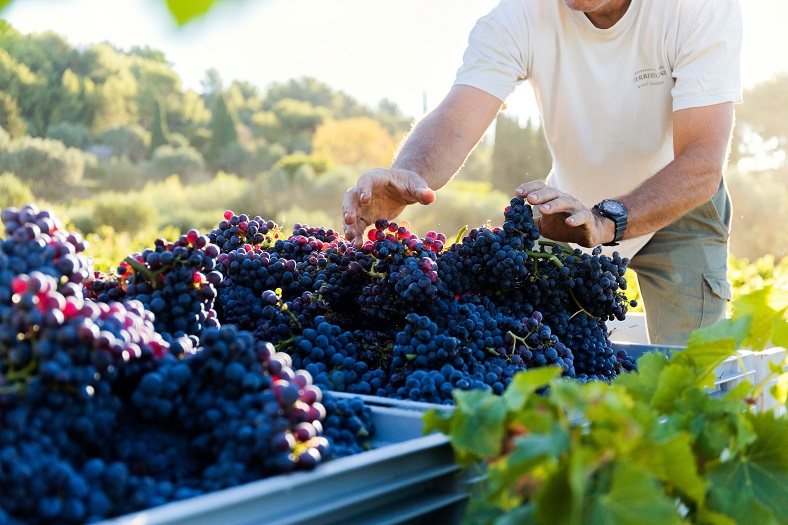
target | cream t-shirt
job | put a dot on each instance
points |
(606, 96)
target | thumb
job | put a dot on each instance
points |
(418, 189)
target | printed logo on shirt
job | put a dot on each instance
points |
(651, 76)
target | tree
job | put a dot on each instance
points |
(353, 141)
(519, 154)
(131, 141)
(222, 127)
(159, 134)
(9, 116)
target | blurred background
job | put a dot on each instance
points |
(140, 118)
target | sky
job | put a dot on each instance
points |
(405, 50)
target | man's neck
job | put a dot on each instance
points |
(607, 16)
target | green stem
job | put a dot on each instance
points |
(572, 294)
(460, 234)
(152, 276)
(564, 249)
(284, 344)
(24, 373)
(549, 256)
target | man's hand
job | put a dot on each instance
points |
(564, 218)
(381, 193)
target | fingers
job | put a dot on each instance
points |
(529, 187)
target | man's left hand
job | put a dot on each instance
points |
(564, 218)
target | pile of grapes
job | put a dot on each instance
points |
(414, 318)
(119, 393)
(202, 363)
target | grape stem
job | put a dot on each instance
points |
(564, 249)
(549, 256)
(460, 234)
(572, 294)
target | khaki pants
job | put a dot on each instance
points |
(682, 272)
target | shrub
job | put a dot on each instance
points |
(72, 134)
(14, 192)
(291, 163)
(48, 165)
(130, 141)
(128, 212)
(121, 174)
(187, 163)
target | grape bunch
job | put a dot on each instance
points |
(175, 280)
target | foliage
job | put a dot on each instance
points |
(121, 212)
(109, 246)
(71, 134)
(159, 135)
(187, 163)
(291, 163)
(13, 192)
(10, 119)
(5, 138)
(222, 127)
(520, 154)
(50, 167)
(652, 447)
(131, 141)
(762, 113)
(354, 141)
(120, 174)
(746, 276)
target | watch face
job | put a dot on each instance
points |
(613, 207)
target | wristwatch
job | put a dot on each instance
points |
(616, 212)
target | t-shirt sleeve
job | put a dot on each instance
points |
(496, 57)
(707, 69)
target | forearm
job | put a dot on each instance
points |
(439, 144)
(701, 137)
(681, 186)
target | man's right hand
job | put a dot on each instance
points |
(381, 193)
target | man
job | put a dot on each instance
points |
(636, 98)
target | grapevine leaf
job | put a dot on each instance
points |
(673, 463)
(437, 421)
(642, 384)
(758, 474)
(553, 505)
(740, 508)
(780, 333)
(526, 383)
(522, 515)
(673, 382)
(635, 498)
(703, 358)
(736, 329)
(477, 428)
(780, 389)
(186, 10)
(765, 306)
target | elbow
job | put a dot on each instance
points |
(711, 183)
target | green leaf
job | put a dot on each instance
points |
(522, 515)
(780, 389)
(635, 498)
(673, 462)
(526, 383)
(737, 329)
(643, 384)
(477, 428)
(780, 333)
(436, 420)
(766, 306)
(703, 358)
(740, 508)
(186, 10)
(673, 382)
(760, 471)
(530, 452)
(4, 3)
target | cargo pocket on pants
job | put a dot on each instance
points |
(716, 294)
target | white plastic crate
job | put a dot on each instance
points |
(762, 371)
